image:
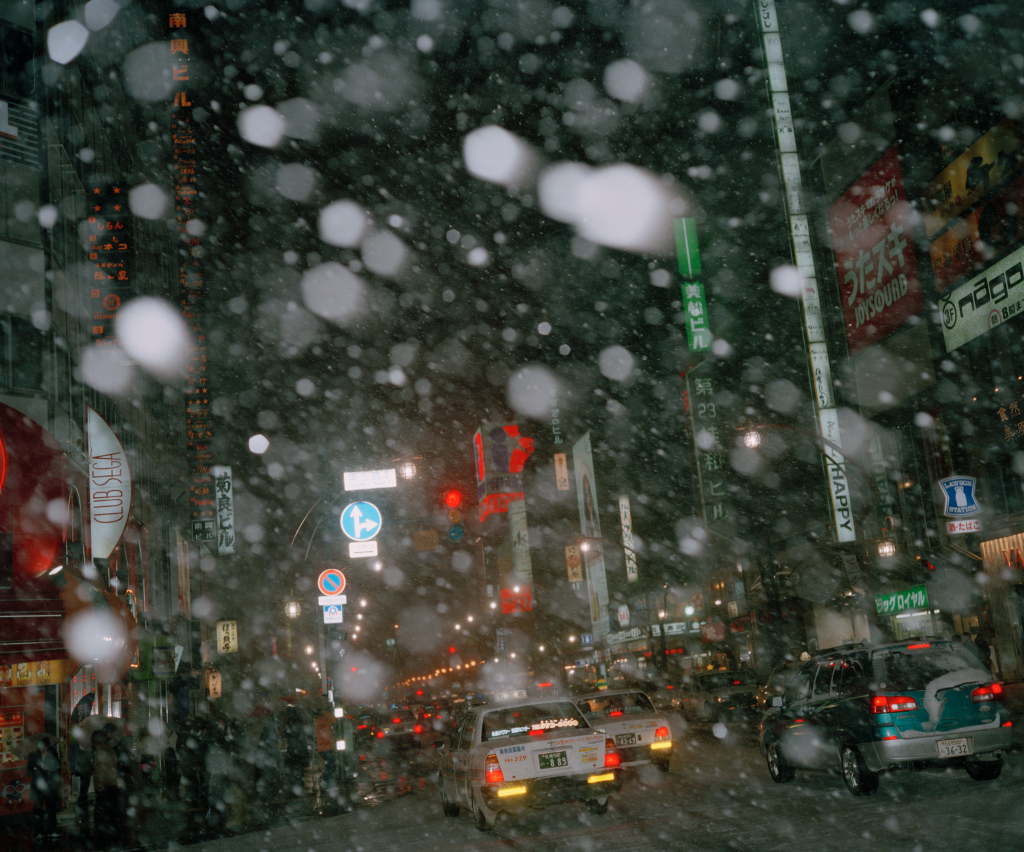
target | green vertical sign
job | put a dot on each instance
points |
(695, 306)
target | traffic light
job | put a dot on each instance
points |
(453, 503)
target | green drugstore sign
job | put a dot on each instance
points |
(913, 598)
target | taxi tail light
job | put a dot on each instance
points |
(661, 733)
(615, 713)
(492, 770)
(611, 754)
(892, 704)
(396, 721)
(991, 692)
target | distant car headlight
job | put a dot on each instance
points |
(720, 698)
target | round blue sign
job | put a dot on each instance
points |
(360, 521)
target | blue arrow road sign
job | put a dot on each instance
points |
(360, 521)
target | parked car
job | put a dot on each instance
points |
(526, 753)
(775, 686)
(863, 710)
(715, 696)
(642, 734)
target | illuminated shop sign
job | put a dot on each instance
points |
(109, 234)
(983, 302)
(110, 487)
(913, 598)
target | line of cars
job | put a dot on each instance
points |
(519, 752)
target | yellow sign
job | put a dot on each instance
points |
(425, 539)
(227, 637)
(972, 175)
(34, 673)
(213, 684)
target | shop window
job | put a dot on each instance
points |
(16, 65)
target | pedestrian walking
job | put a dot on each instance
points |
(105, 783)
(83, 769)
(43, 769)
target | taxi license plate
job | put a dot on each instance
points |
(954, 748)
(553, 760)
(625, 739)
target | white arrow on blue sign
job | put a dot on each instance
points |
(360, 521)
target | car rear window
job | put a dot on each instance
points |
(629, 704)
(539, 718)
(915, 666)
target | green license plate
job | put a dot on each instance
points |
(625, 739)
(553, 760)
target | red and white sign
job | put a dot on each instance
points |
(331, 582)
(874, 253)
(964, 526)
(713, 631)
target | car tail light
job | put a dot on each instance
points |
(892, 704)
(992, 692)
(492, 770)
(918, 646)
(661, 733)
(611, 754)
(418, 729)
(396, 721)
(380, 735)
(615, 713)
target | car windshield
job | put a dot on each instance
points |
(628, 704)
(532, 719)
(365, 360)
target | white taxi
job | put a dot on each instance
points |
(526, 753)
(642, 735)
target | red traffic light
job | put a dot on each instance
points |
(453, 498)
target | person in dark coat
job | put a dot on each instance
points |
(105, 781)
(43, 768)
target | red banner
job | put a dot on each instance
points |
(512, 601)
(874, 254)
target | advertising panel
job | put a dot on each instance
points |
(985, 233)
(978, 170)
(981, 303)
(874, 254)
(590, 525)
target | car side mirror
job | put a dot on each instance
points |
(777, 701)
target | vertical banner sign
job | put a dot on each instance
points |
(110, 486)
(803, 258)
(573, 563)
(711, 461)
(695, 306)
(500, 454)
(561, 472)
(191, 287)
(590, 525)
(224, 489)
(110, 258)
(626, 520)
(515, 591)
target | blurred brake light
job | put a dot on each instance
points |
(615, 713)
(661, 733)
(991, 692)
(919, 645)
(492, 770)
(537, 732)
(418, 729)
(736, 683)
(611, 755)
(396, 721)
(380, 735)
(892, 704)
